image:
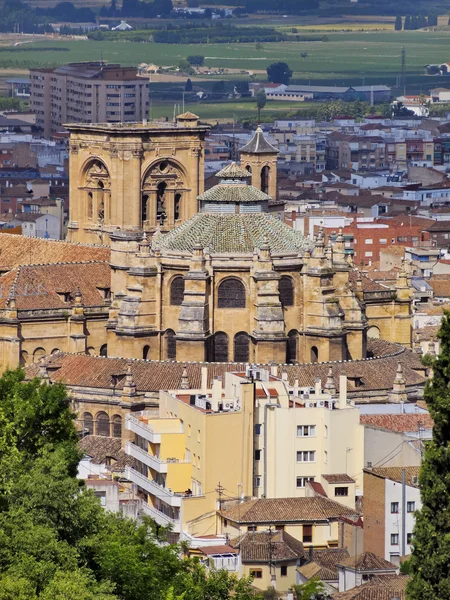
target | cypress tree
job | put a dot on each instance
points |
(398, 23)
(407, 25)
(429, 564)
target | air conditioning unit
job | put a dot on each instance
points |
(310, 405)
(257, 375)
(369, 465)
(228, 405)
(415, 479)
(321, 403)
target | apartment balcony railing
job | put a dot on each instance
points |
(155, 463)
(160, 517)
(153, 488)
(143, 429)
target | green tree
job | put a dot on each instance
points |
(261, 100)
(196, 60)
(431, 544)
(314, 589)
(407, 25)
(279, 72)
(188, 86)
(398, 23)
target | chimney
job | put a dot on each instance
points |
(342, 391)
(216, 398)
(317, 385)
(294, 216)
(204, 383)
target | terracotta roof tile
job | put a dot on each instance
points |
(210, 550)
(367, 561)
(395, 474)
(101, 449)
(376, 374)
(339, 478)
(47, 286)
(440, 285)
(324, 564)
(399, 423)
(379, 588)
(260, 546)
(285, 510)
(18, 250)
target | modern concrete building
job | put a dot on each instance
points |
(387, 532)
(87, 92)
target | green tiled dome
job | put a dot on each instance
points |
(233, 233)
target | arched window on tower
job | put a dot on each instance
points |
(286, 289)
(104, 350)
(177, 207)
(221, 347)
(241, 347)
(291, 347)
(231, 294)
(88, 424)
(171, 345)
(265, 174)
(101, 201)
(161, 202)
(145, 352)
(90, 205)
(314, 354)
(249, 169)
(116, 426)
(144, 208)
(102, 424)
(177, 291)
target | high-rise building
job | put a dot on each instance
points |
(87, 92)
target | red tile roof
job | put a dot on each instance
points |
(399, 423)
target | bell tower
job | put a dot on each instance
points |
(260, 159)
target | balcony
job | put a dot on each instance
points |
(155, 463)
(151, 487)
(161, 518)
(140, 428)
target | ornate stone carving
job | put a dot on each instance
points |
(163, 171)
(97, 176)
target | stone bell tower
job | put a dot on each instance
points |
(133, 176)
(260, 159)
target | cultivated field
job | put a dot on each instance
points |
(350, 58)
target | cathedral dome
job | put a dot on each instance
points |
(234, 234)
(233, 219)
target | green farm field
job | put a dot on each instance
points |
(345, 59)
(225, 111)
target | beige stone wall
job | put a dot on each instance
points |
(135, 160)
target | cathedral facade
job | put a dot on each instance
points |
(186, 274)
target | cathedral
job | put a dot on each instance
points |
(192, 275)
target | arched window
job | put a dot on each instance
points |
(291, 348)
(117, 426)
(145, 352)
(101, 201)
(90, 351)
(161, 202)
(38, 353)
(23, 358)
(55, 351)
(241, 347)
(286, 289)
(265, 174)
(88, 424)
(248, 168)
(373, 333)
(171, 344)
(221, 347)
(104, 350)
(231, 294)
(102, 427)
(177, 207)
(177, 291)
(144, 208)
(90, 203)
(314, 354)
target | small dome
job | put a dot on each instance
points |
(233, 171)
(258, 145)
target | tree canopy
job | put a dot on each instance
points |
(56, 541)
(279, 72)
(431, 539)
